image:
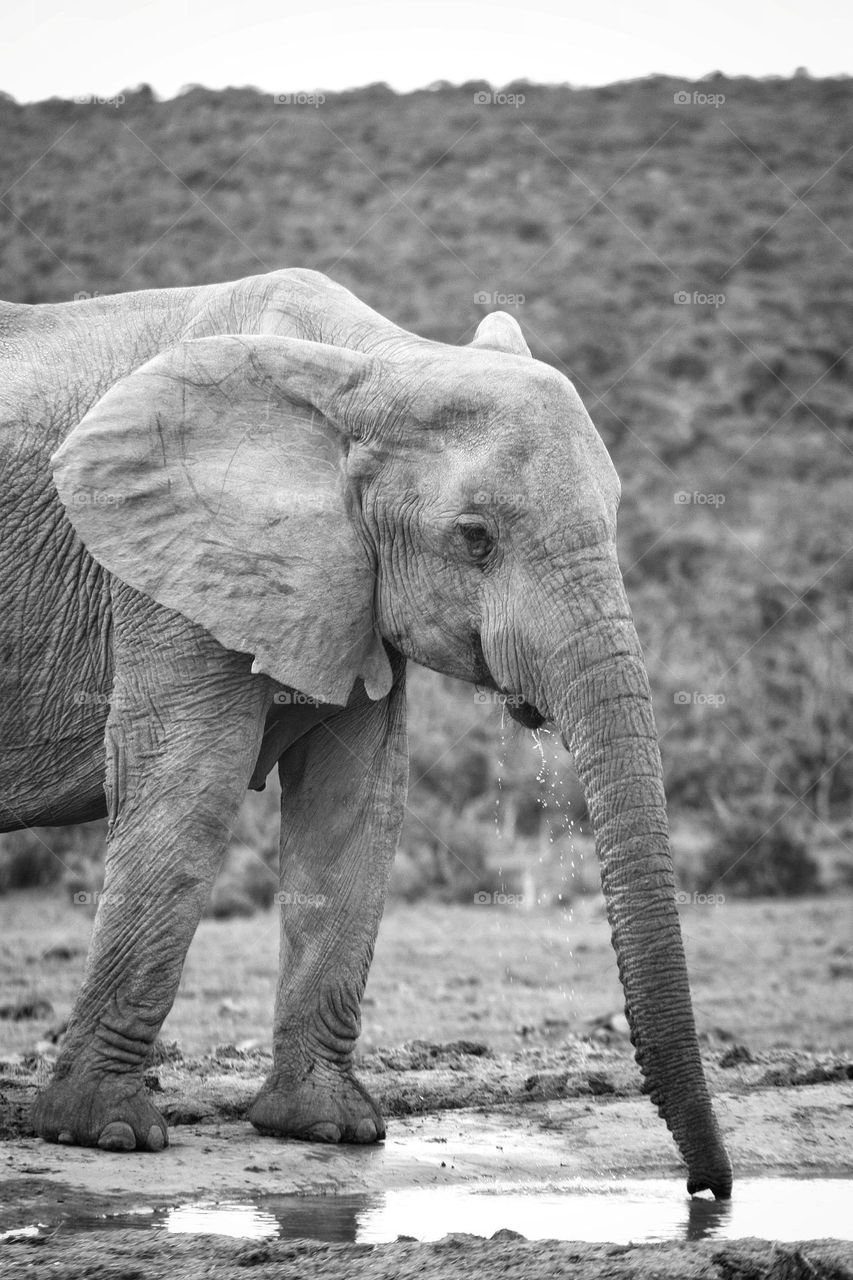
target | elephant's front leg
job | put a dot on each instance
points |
(183, 733)
(343, 794)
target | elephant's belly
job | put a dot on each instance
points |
(53, 709)
(52, 718)
(55, 670)
(54, 783)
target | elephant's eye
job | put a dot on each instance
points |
(478, 540)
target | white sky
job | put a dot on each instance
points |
(70, 47)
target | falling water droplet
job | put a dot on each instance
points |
(499, 779)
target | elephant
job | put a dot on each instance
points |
(232, 514)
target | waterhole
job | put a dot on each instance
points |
(619, 1211)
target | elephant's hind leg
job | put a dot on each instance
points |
(182, 738)
(343, 793)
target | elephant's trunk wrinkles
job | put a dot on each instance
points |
(599, 696)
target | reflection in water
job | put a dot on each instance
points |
(245, 1221)
(706, 1219)
(21, 1233)
(622, 1211)
(617, 1211)
(331, 1218)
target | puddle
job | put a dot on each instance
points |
(640, 1210)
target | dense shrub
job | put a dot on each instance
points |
(40, 856)
(596, 208)
(759, 855)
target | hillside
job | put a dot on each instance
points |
(686, 263)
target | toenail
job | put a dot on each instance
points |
(117, 1136)
(326, 1132)
(66, 1136)
(156, 1138)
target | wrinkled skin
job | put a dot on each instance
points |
(236, 511)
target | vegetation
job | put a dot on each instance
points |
(687, 263)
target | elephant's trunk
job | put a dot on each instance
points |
(599, 696)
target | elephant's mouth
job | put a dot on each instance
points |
(524, 713)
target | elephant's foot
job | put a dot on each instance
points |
(111, 1112)
(324, 1106)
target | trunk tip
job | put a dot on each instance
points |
(720, 1186)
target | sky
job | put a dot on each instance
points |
(64, 48)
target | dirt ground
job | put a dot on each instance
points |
(494, 1041)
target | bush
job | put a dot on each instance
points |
(760, 853)
(38, 857)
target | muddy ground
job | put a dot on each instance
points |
(132, 1257)
(500, 1058)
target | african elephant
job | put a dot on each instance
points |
(231, 514)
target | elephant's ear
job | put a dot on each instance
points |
(214, 480)
(499, 331)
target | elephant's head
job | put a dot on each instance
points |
(492, 502)
(306, 502)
